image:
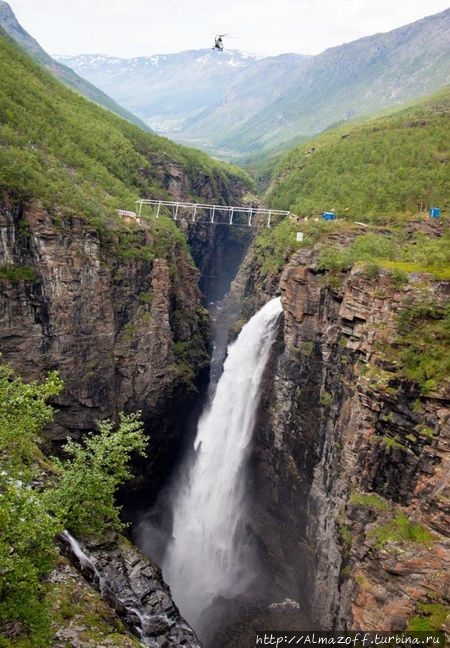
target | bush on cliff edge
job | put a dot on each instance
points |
(39, 497)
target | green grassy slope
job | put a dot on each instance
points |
(73, 80)
(10, 25)
(70, 154)
(393, 164)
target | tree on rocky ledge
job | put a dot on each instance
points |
(39, 497)
(84, 496)
(27, 551)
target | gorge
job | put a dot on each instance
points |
(342, 467)
(341, 491)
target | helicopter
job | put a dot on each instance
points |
(218, 43)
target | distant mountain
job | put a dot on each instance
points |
(9, 23)
(164, 90)
(355, 79)
(232, 104)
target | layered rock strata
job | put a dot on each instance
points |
(351, 460)
(125, 330)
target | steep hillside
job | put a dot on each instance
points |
(393, 164)
(86, 285)
(94, 161)
(354, 79)
(9, 23)
(235, 106)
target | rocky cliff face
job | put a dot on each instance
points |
(350, 459)
(125, 331)
(132, 588)
(117, 310)
(216, 249)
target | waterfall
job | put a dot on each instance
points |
(210, 553)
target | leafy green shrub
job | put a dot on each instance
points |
(81, 499)
(367, 248)
(430, 253)
(27, 553)
(23, 413)
(389, 442)
(26, 540)
(422, 343)
(84, 497)
(399, 278)
(334, 260)
(167, 236)
(426, 431)
(275, 245)
(431, 618)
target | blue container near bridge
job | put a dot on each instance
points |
(434, 212)
(329, 216)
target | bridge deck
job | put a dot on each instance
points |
(216, 214)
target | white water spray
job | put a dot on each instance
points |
(210, 554)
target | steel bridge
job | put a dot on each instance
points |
(214, 214)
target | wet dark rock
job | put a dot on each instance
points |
(234, 623)
(134, 587)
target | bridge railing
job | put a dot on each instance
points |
(214, 214)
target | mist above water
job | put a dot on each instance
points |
(210, 553)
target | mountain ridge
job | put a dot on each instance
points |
(355, 79)
(145, 85)
(264, 102)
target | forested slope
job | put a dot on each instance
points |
(393, 164)
(68, 153)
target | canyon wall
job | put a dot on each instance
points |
(349, 464)
(113, 580)
(351, 460)
(124, 330)
(116, 309)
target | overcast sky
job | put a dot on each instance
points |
(129, 28)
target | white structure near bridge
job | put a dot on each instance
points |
(214, 214)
